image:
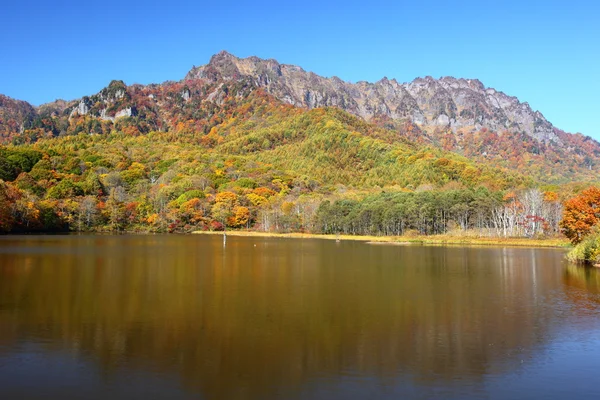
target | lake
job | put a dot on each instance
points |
(170, 316)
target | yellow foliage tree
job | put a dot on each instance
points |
(240, 217)
(229, 198)
(256, 200)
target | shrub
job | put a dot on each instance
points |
(588, 250)
(247, 183)
(216, 226)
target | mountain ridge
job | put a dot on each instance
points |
(448, 101)
(454, 114)
(408, 102)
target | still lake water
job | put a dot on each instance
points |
(124, 317)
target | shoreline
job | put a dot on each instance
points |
(406, 240)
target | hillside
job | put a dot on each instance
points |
(457, 115)
(15, 116)
(460, 115)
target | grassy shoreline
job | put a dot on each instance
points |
(404, 240)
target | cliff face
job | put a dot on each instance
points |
(445, 103)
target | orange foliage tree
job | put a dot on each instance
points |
(580, 214)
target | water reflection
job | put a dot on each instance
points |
(267, 318)
(583, 277)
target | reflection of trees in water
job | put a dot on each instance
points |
(262, 320)
(583, 277)
(584, 284)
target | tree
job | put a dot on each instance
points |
(64, 189)
(7, 219)
(221, 212)
(240, 217)
(191, 211)
(115, 209)
(580, 214)
(88, 211)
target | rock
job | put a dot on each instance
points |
(81, 108)
(427, 101)
(123, 113)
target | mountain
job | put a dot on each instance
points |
(445, 102)
(459, 115)
(245, 143)
(456, 115)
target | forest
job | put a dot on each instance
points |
(154, 183)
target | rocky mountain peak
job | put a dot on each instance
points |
(448, 102)
(223, 54)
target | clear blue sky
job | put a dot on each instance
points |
(544, 52)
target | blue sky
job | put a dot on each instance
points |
(544, 52)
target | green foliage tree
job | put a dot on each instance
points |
(66, 188)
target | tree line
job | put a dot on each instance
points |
(529, 213)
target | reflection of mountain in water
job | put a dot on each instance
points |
(263, 320)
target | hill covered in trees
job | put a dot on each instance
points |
(261, 163)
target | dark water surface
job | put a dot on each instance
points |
(124, 317)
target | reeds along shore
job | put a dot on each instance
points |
(433, 239)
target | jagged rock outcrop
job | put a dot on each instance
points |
(111, 103)
(445, 102)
